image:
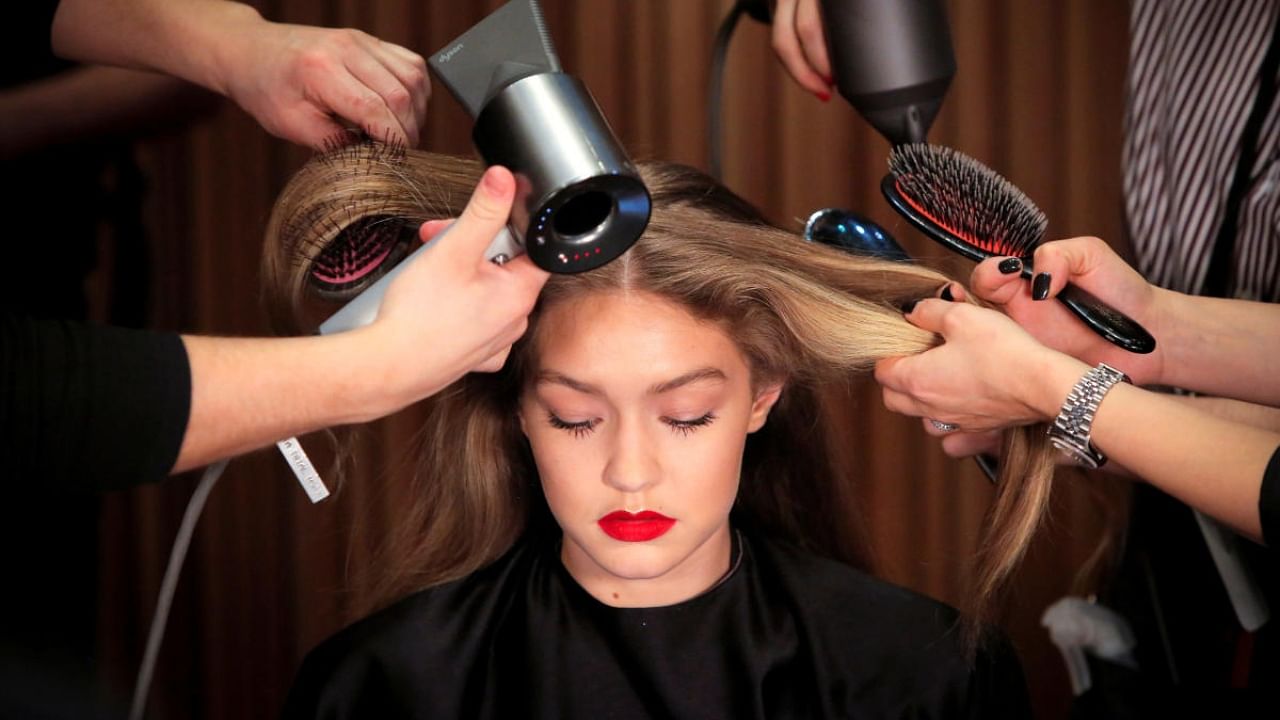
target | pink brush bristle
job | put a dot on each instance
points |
(968, 198)
(357, 252)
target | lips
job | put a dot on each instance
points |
(635, 527)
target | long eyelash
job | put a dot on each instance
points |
(684, 427)
(586, 427)
(579, 429)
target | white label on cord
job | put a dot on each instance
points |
(301, 466)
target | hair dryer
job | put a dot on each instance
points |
(579, 200)
(892, 60)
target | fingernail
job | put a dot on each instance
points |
(823, 95)
(908, 306)
(946, 293)
(1040, 286)
(1009, 266)
(491, 183)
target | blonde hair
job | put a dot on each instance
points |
(801, 313)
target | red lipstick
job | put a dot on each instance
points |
(637, 527)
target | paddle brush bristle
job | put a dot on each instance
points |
(359, 254)
(967, 199)
(969, 208)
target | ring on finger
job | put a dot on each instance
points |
(945, 427)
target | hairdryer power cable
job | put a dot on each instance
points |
(169, 585)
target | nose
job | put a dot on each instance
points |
(633, 464)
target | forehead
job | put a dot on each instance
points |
(612, 336)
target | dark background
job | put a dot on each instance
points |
(1038, 96)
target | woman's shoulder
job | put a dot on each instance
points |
(824, 584)
(912, 646)
(428, 634)
(469, 598)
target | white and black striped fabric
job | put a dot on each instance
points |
(1193, 82)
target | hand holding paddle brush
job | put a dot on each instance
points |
(858, 235)
(971, 209)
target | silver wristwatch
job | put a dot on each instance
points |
(1070, 430)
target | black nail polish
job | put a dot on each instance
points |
(946, 293)
(1009, 266)
(1040, 286)
(908, 306)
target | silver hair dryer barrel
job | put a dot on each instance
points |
(579, 201)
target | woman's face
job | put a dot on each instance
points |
(637, 416)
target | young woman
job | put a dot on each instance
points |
(637, 516)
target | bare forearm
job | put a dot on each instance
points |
(176, 37)
(1210, 463)
(1237, 411)
(1229, 348)
(91, 103)
(248, 393)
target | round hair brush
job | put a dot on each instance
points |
(360, 253)
(971, 209)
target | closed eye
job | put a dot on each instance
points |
(578, 429)
(684, 427)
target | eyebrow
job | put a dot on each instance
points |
(707, 373)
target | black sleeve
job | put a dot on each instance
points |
(89, 408)
(1269, 502)
(27, 51)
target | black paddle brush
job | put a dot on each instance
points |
(972, 210)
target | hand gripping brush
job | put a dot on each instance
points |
(858, 235)
(971, 209)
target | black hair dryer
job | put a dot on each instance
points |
(892, 60)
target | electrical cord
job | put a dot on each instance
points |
(715, 88)
(169, 585)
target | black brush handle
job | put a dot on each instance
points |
(989, 465)
(1114, 326)
(1111, 324)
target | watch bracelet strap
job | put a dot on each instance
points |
(1071, 430)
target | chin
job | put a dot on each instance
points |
(638, 561)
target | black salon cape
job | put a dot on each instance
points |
(784, 635)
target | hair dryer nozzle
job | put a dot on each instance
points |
(509, 44)
(579, 201)
(892, 61)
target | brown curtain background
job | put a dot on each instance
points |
(1038, 96)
